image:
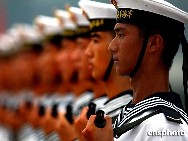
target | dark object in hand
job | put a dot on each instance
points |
(68, 114)
(41, 110)
(100, 122)
(54, 111)
(91, 110)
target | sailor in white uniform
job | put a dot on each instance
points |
(148, 34)
(102, 17)
(160, 116)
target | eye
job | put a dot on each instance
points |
(120, 35)
(82, 47)
(95, 40)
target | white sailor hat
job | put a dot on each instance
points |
(28, 37)
(102, 16)
(50, 29)
(26, 32)
(83, 24)
(68, 26)
(148, 11)
(8, 45)
(47, 25)
(77, 16)
(97, 10)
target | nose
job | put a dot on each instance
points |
(75, 55)
(59, 58)
(88, 51)
(112, 47)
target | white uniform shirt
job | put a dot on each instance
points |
(114, 106)
(26, 133)
(100, 102)
(5, 134)
(80, 102)
(156, 128)
(52, 137)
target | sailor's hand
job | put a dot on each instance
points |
(93, 133)
(81, 122)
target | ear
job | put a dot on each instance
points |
(155, 43)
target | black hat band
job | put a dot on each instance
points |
(102, 24)
(141, 17)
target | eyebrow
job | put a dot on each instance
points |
(117, 29)
(94, 35)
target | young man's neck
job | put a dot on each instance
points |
(117, 84)
(79, 87)
(99, 89)
(149, 83)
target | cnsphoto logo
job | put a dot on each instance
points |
(166, 133)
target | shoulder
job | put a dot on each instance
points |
(156, 128)
(160, 122)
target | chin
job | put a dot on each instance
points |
(96, 76)
(120, 72)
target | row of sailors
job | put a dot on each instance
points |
(36, 119)
(47, 71)
(45, 118)
(102, 86)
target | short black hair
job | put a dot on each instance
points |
(171, 37)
